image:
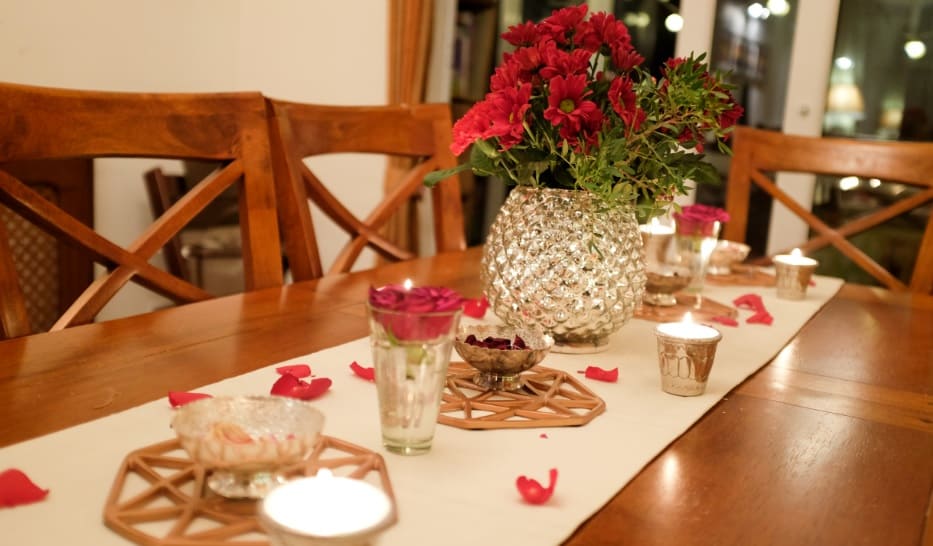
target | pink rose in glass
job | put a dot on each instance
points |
(418, 313)
(700, 220)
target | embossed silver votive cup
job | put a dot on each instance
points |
(685, 355)
(793, 273)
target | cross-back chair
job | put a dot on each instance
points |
(757, 153)
(420, 132)
(45, 123)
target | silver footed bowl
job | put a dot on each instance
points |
(725, 255)
(500, 369)
(245, 441)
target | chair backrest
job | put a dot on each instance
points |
(756, 153)
(46, 123)
(420, 132)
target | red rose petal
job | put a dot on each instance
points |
(761, 317)
(312, 390)
(298, 370)
(749, 301)
(543, 435)
(533, 492)
(180, 398)
(475, 308)
(599, 374)
(16, 488)
(812, 282)
(285, 384)
(728, 321)
(368, 374)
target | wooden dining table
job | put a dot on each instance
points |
(831, 442)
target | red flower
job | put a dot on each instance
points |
(625, 58)
(507, 109)
(558, 62)
(507, 75)
(420, 313)
(568, 107)
(625, 103)
(522, 35)
(473, 126)
(564, 25)
(606, 30)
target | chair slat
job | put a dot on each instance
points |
(756, 152)
(420, 132)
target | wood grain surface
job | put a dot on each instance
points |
(830, 443)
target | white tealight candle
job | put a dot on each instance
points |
(407, 284)
(326, 506)
(688, 331)
(795, 258)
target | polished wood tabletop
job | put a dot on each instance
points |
(830, 443)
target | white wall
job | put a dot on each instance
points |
(303, 50)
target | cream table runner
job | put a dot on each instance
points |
(462, 492)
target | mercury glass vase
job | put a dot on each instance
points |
(565, 263)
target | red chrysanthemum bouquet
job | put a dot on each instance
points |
(571, 108)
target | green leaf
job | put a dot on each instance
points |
(434, 178)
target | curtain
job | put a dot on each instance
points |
(410, 23)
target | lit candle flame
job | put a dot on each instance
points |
(407, 284)
(796, 253)
(688, 317)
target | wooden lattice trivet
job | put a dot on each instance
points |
(744, 275)
(706, 310)
(171, 504)
(550, 398)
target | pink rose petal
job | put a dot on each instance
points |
(180, 398)
(761, 317)
(298, 370)
(533, 492)
(599, 374)
(728, 321)
(543, 435)
(16, 488)
(368, 374)
(475, 308)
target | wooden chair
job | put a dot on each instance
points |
(421, 132)
(757, 152)
(45, 123)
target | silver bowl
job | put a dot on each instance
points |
(244, 441)
(663, 281)
(500, 369)
(725, 255)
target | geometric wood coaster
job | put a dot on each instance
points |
(549, 398)
(706, 310)
(744, 275)
(160, 496)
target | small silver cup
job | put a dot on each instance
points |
(686, 352)
(793, 273)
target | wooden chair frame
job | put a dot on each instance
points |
(756, 152)
(44, 123)
(300, 130)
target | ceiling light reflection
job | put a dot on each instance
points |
(848, 183)
(779, 8)
(843, 63)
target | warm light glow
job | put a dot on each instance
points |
(688, 317)
(845, 98)
(688, 330)
(327, 506)
(874, 183)
(407, 284)
(844, 63)
(796, 253)
(915, 49)
(674, 22)
(757, 11)
(848, 183)
(637, 20)
(779, 7)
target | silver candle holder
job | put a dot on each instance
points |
(686, 351)
(793, 273)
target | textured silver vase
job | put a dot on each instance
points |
(563, 262)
